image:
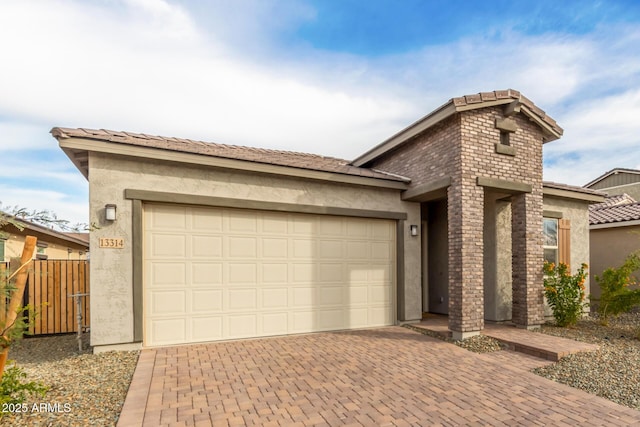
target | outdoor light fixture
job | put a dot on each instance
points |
(413, 229)
(110, 212)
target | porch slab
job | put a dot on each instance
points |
(536, 344)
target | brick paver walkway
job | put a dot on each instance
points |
(389, 376)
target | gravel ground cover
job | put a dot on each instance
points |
(613, 372)
(89, 389)
(477, 344)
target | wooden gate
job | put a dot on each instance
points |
(49, 286)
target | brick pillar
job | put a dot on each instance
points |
(466, 269)
(526, 223)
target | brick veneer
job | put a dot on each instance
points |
(463, 147)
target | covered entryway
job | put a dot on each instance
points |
(220, 273)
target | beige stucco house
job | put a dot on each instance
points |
(614, 223)
(51, 244)
(213, 242)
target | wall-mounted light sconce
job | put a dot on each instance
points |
(413, 230)
(110, 212)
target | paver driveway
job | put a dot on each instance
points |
(389, 376)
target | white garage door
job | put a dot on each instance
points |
(215, 273)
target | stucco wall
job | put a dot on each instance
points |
(631, 189)
(609, 248)
(111, 269)
(577, 212)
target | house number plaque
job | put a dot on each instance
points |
(112, 243)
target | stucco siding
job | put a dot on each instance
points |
(578, 214)
(609, 248)
(631, 189)
(111, 269)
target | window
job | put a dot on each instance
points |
(41, 251)
(2, 250)
(550, 244)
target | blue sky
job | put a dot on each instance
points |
(326, 77)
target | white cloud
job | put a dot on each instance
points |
(65, 207)
(206, 71)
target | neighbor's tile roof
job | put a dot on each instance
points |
(506, 94)
(618, 208)
(251, 154)
(615, 200)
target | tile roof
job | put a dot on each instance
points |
(618, 208)
(506, 94)
(251, 154)
(615, 200)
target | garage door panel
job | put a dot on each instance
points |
(274, 248)
(303, 321)
(358, 317)
(331, 319)
(331, 295)
(304, 273)
(169, 246)
(242, 299)
(303, 297)
(206, 220)
(331, 273)
(358, 295)
(168, 331)
(358, 250)
(168, 274)
(206, 273)
(330, 249)
(275, 273)
(207, 300)
(168, 303)
(304, 249)
(275, 323)
(242, 222)
(276, 298)
(203, 246)
(169, 218)
(242, 273)
(217, 273)
(207, 328)
(243, 325)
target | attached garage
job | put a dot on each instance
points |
(214, 273)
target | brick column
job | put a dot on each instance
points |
(466, 269)
(526, 222)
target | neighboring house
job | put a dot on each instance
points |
(51, 244)
(614, 233)
(618, 181)
(212, 242)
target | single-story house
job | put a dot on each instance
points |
(201, 241)
(614, 233)
(51, 244)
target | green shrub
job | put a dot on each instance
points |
(13, 389)
(565, 292)
(615, 296)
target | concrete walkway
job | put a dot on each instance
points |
(377, 377)
(521, 340)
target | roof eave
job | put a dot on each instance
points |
(570, 194)
(76, 148)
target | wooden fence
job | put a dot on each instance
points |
(49, 286)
